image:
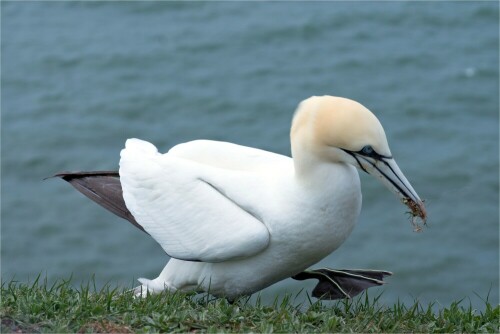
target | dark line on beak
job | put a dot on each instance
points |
(388, 178)
(380, 157)
(393, 172)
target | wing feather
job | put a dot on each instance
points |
(188, 216)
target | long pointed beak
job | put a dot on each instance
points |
(387, 171)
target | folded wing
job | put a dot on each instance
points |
(176, 201)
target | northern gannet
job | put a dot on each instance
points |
(236, 219)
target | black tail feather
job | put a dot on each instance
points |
(338, 284)
(104, 188)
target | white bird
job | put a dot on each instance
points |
(236, 219)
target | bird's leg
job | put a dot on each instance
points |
(151, 287)
(342, 283)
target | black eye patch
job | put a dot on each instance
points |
(368, 151)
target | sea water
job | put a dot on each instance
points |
(79, 78)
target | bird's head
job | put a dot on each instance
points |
(339, 130)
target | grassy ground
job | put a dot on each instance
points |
(40, 307)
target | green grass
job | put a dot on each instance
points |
(40, 307)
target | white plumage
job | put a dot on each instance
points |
(236, 219)
(248, 226)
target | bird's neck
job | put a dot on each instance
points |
(312, 170)
(313, 163)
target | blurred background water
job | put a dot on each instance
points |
(79, 78)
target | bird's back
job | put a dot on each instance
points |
(229, 156)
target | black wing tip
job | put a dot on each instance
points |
(67, 176)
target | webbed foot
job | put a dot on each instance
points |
(342, 283)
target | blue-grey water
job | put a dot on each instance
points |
(79, 78)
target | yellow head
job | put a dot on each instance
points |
(324, 122)
(328, 129)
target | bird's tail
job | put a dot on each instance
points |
(104, 188)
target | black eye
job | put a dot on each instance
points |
(367, 150)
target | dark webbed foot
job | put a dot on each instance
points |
(342, 283)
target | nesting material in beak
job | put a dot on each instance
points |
(417, 210)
